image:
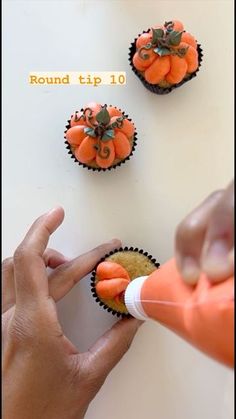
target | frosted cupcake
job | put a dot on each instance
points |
(164, 57)
(113, 274)
(100, 137)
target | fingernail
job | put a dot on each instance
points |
(53, 210)
(116, 242)
(190, 270)
(66, 259)
(216, 259)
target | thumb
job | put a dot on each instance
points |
(110, 348)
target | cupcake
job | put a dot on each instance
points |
(113, 274)
(100, 137)
(165, 57)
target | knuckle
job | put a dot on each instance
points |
(224, 208)
(48, 253)
(21, 254)
(49, 250)
(63, 269)
(216, 194)
(20, 329)
(29, 329)
(192, 225)
(7, 263)
(187, 229)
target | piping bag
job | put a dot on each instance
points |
(202, 314)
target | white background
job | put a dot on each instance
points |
(184, 152)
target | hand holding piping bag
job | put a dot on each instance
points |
(193, 294)
(205, 239)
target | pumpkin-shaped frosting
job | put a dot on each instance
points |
(100, 136)
(166, 54)
(112, 281)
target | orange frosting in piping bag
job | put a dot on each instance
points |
(203, 315)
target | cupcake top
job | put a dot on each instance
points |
(100, 136)
(113, 275)
(166, 55)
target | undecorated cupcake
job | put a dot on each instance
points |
(100, 137)
(165, 57)
(113, 274)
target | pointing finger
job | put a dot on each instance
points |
(63, 278)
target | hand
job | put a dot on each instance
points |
(205, 239)
(44, 375)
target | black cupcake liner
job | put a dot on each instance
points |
(155, 88)
(100, 169)
(93, 288)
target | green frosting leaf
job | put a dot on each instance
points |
(156, 35)
(181, 52)
(162, 51)
(90, 132)
(108, 135)
(175, 38)
(103, 116)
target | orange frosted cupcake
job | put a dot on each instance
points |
(165, 57)
(100, 137)
(113, 274)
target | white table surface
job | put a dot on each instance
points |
(185, 151)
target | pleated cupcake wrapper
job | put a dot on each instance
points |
(100, 169)
(93, 277)
(155, 88)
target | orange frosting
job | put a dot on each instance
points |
(166, 54)
(113, 280)
(100, 134)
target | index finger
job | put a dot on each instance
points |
(190, 236)
(30, 274)
(66, 276)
